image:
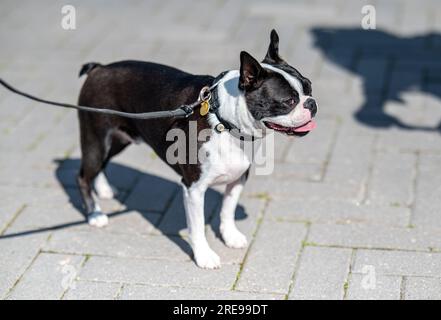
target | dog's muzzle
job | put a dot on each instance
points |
(311, 105)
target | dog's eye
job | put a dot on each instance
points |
(290, 102)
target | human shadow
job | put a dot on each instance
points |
(389, 65)
(139, 193)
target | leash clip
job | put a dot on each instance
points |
(188, 110)
(205, 94)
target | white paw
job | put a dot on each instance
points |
(207, 258)
(233, 238)
(98, 219)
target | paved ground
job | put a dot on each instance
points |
(352, 211)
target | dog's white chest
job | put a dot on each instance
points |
(226, 160)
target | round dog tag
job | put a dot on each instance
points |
(220, 127)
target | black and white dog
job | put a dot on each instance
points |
(258, 98)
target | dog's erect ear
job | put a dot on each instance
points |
(272, 56)
(251, 72)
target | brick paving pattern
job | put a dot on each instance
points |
(352, 211)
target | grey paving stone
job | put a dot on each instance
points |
(16, 254)
(143, 159)
(44, 197)
(418, 288)
(133, 222)
(351, 159)
(152, 193)
(292, 171)
(366, 236)
(382, 288)
(336, 211)
(321, 274)
(269, 270)
(157, 272)
(87, 290)
(298, 10)
(316, 146)
(30, 174)
(10, 206)
(45, 218)
(248, 214)
(8, 212)
(373, 69)
(281, 145)
(416, 103)
(427, 204)
(119, 175)
(49, 276)
(174, 221)
(31, 130)
(100, 242)
(330, 70)
(392, 184)
(142, 292)
(406, 263)
(403, 140)
(305, 190)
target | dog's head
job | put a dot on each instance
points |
(276, 93)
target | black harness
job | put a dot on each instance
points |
(224, 124)
(215, 106)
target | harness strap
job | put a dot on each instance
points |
(215, 105)
(214, 108)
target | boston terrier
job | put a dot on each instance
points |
(256, 99)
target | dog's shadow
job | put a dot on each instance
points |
(389, 65)
(156, 199)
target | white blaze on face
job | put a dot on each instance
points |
(295, 83)
(299, 115)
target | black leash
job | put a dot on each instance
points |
(183, 111)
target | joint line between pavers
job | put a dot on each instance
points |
(157, 285)
(253, 237)
(167, 206)
(85, 259)
(403, 287)
(117, 257)
(330, 152)
(349, 275)
(364, 190)
(13, 219)
(297, 265)
(415, 178)
(311, 244)
(119, 293)
(9, 292)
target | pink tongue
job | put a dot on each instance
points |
(307, 127)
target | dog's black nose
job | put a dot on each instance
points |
(311, 105)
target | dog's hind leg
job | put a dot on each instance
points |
(98, 146)
(232, 237)
(94, 150)
(103, 189)
(90, 167)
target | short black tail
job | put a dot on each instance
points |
(86, 68)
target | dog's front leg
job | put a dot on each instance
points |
(232, 237)
(194, 209)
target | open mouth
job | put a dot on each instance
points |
(297, 131)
